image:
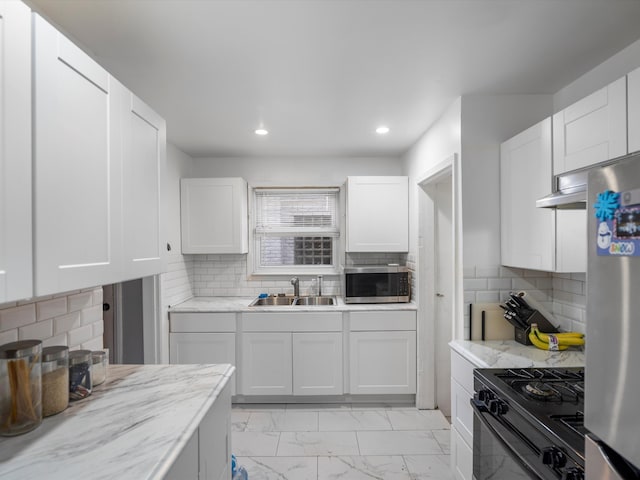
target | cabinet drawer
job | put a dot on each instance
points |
(462, 458)
(292, 322)
(462, 371)
(203, 322)
(461, 411)
(383, 320)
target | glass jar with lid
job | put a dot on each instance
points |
(80, 374)
(55, 379)
(20, 387)
(100, 361)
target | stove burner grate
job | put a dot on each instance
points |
(541, 391)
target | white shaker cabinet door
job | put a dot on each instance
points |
(15, 151)
(77, 167)
(317, 363)
(144, 151)
(592, 130)
(213, 215)
(383, 362)
(194, 348)
(377, 214)
(528, 233)
(266, 365)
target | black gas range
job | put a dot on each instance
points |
(529, 424)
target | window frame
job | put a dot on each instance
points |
(253, 256)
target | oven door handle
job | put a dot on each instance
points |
(483, 415)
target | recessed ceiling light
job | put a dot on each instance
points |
(261, 131)
(382, 130)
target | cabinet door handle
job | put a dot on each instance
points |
(439, 295)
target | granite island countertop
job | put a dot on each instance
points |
(241, 304)
(511, 354)
(133, 426)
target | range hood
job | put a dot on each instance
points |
(570, 192)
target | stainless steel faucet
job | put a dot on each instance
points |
(319, 285)
(296, 286)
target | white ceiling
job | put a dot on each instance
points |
(322, 74)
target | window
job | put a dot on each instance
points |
(295, 230)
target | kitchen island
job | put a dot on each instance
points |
(144, 422)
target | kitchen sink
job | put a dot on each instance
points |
(272, 302)
(302, 301)
(293, 301)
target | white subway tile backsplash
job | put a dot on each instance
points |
(98, 329)
(93, 344)
(15, 317)
(79, 335)
(38, 331)
(9, 336)
(487, 272)
(49, 318)
(56, 340)
(81, 300)
(499, 283)
(51, 308)
(66, 322)
(91, 314)
(475, 283)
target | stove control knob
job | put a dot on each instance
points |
(485, 396)
(554, 457)
(497, 407)
(573, 473)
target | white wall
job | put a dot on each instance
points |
(437, 144)
(176, 282)
(296, 171)
(611, 69)
(487, 121)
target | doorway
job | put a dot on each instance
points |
(130, 312)
(439, 273)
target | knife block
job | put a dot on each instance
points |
(522, 335)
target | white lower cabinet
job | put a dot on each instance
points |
(382, 352)
(203, 338)
(266, 363)
(291, 354)
(461, 417)
(383, 362)
(207, 454)
(317, 363)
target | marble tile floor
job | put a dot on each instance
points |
(340, 442)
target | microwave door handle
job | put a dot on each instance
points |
(483, 415)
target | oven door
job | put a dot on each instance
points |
(500, 452)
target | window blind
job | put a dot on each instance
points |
(296, 212)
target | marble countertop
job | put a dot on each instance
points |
(132, 426)
(511, 354)
(241, 304)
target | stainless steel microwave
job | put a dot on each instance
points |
(377, 284)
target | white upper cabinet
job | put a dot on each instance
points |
(377, 214)
(15, 151)
(536, 238)
(633, 107)
(592, 130)
(213, 215)
(77, 167)
(144, 151)
(98, 153)
(527, 233)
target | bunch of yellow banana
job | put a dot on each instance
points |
(554, 341)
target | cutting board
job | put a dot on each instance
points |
(495, 325)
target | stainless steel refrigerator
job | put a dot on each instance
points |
(612, 398)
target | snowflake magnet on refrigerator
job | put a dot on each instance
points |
(606, 205)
